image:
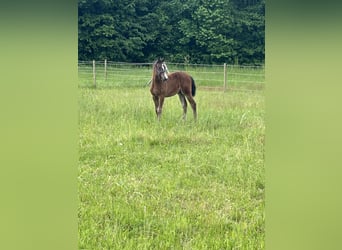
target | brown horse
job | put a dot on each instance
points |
(166, 85)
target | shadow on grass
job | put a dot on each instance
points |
(169, 140)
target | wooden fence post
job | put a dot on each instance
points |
(105, 70)
(224, 77)
(94, 74)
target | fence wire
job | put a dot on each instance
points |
(118, 74)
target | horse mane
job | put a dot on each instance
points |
(154, 72)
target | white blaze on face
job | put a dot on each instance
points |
(165, 71)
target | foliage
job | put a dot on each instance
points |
(193, 31)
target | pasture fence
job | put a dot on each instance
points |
(207, 76)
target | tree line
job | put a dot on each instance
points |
(190, 31)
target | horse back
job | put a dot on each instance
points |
(184, 82)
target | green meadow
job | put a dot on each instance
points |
(172, 184)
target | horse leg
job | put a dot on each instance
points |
(184, 104)
(156, 103)
(193, 105)
(160, 107)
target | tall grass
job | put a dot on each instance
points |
(172, 184)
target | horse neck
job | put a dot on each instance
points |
(155, 78)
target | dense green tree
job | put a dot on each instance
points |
(250, 31)
(110, 29)
(194, 31)
(209, 30)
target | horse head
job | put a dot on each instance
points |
(161, 69)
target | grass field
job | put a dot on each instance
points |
(173, 184)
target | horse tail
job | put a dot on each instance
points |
(193, 87)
